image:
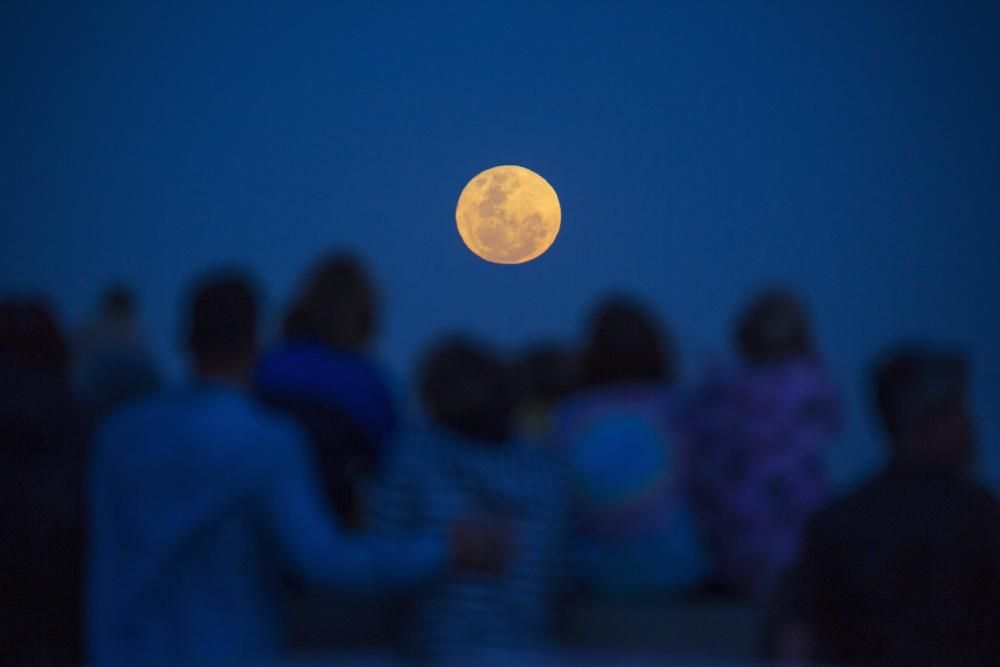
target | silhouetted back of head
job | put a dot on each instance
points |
(466, 387)
(222, 334)
(921, 398)
(774, 328)
(337, 304)
(29, 334)
(118, 302)
(625, 345)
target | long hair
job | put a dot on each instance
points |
(337, 304)
(625, 345)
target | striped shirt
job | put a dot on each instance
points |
(438, 477)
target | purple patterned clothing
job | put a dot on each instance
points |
(753, 461)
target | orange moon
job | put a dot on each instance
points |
(508, 215)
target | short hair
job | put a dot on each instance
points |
(223, 319)
(774, 328)
(337, 304)
(911, 382)
(466, 387)
(29, 334)
(625, 344)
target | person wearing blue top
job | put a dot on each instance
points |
(636, 534)
(201, 501)
(321, 376)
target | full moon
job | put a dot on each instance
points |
(508, 215)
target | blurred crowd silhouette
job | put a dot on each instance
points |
(147, 523)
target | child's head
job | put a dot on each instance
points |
(774, 328)
(466, 387)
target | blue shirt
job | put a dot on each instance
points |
(199, 502)
(635, 530)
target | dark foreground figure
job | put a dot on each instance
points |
(906, 571)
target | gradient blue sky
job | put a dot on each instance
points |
(700, 149)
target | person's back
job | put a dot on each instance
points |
(634, 527)
(440, 476)
(453, 470)
(341, 403)
(906, 570)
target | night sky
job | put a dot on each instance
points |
(700, 150)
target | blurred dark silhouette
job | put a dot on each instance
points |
(544, 375)
(635, 532)
(466, 464)
(753, 446)
(202, 501)
(112, 363)
(626, 346)
(905, 570)
(320, 375)
(41, 491)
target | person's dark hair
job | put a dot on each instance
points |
(118, 301)
(337, 304)
(466, 387)
(913, 382)
(223, 321)
(774, 328)
(625, 345)
(29, 334)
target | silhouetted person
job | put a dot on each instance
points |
(112, 363)
(466, 462)
(635, 531)
(202, 500)
(320, 375)
(753, 452)
(41, 492)
(905, 570)
(545, 375)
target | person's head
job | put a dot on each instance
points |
(337, 304)
(774, 328)
(921, 396)
(222, 329)
(118, 302)
(466, 387)
(29, 334)
(625, 345)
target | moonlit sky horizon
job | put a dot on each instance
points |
(699, 150)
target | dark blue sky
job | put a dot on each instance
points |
(699, 149)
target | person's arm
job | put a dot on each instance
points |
(313, 545)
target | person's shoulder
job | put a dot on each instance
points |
(851, 509)
(136, 414)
